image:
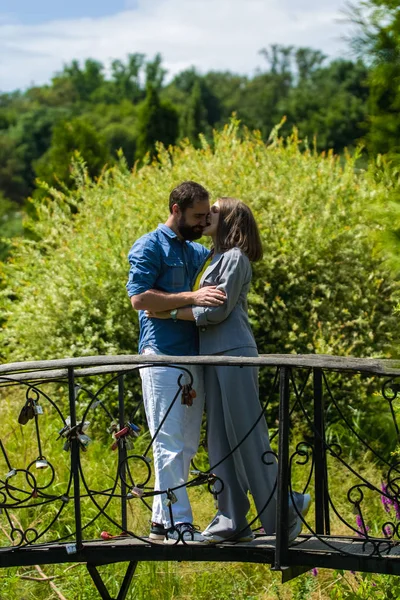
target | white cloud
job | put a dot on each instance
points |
(210, 34)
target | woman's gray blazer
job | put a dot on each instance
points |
(231, 272)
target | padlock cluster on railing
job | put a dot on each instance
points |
(30, 409)
(78, 432)
(124, 435)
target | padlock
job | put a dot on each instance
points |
(84, 440)
(23, 415)
(215, 500)
(138, 492)
(30, 409)
(135, 428)
(170, 499)
(67, 445)
(186, 397)
(121, 433)
(113, 427)
(37, 409)
(188, 394)
(63, 432)
(41, 463)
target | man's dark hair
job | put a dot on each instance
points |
(186, 193)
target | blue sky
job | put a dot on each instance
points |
(37, 37)
(38, 11)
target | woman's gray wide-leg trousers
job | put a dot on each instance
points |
(233, 409)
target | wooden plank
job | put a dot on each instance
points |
(334, 363)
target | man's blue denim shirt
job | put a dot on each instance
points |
(160, 261)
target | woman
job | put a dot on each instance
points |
(232, 397)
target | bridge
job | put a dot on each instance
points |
(76, 483)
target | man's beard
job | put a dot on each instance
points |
(189, 233)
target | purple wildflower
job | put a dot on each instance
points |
(397, 510)
(387, 530)
(387, 502)
(314, 571)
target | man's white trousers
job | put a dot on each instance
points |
(177, 441)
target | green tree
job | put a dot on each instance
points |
(54, 167)
(13, 183)
(10, 224)
(120, 137)
(330, 102)
(157, 122)
(84, 80)
(378, 40)
(126, 77)
(193, 119)
(155, 73)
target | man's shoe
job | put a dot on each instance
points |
(157, 531)
(302, 502)
(183, 532)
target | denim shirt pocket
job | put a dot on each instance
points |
(175, 271)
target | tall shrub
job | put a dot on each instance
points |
(321, 286)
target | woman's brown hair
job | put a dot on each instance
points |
(237, 227)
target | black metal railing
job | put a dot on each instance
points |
(333, 424)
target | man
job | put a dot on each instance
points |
(164, 264)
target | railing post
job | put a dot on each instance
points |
(75, 458)
(282, 504)
(321, 481)
(122, 452)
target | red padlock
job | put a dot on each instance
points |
(121, 433)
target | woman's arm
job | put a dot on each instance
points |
(235, 272)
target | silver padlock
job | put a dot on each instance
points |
(41, 463)
(37, 408)
(84, 440)
(170, 499)
(71, 548)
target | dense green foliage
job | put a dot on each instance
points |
(378, 40)
(133, 107)
(130, 107)
(320, 287)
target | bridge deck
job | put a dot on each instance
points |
(330, 552)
